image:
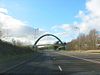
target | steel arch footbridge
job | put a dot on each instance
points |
(35, 44)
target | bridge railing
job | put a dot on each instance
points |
(50, 46)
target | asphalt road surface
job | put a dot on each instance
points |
(52, 63)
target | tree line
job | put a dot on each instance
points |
(14, 48)
(88, 41)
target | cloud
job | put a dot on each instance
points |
(47, 40)
(3, 10)
(9, 22)
(13, 27)
(64, 27)
(90, 19)
(66, 31)
(93, 7)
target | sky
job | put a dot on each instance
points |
(58, 17)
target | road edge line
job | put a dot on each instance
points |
(89, 60)
(6, 70)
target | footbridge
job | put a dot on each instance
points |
(36, 42)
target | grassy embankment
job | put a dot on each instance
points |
(9, 52)
(79, 52)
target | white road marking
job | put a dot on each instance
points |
(7, 69)
(89, 60)
(60, 68)
(16, 65)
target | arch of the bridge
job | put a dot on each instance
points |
(47, 35)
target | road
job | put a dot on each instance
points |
(52, 63)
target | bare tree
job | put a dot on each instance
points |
(92, 39)
(0, 34)
(83, 43)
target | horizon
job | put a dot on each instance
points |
(65, 19)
